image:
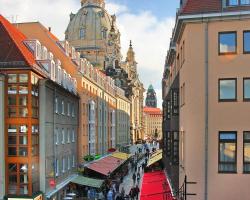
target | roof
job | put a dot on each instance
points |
(155, 157)
(11, 39)
(201, 6)
(154, 184)
(86, 181)
(153, 111)
(150, 87)
(121, 155)
(106, 165)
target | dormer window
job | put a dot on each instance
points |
(238, 2)
(82, 33)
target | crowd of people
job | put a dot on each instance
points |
(115, 189)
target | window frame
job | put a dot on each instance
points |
(227, 141)
(244, 162)
(246, 31)
(219, 89)
(244, 98)
(236, 45)
(238, 4)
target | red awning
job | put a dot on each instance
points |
(106, 165)
(155, 186)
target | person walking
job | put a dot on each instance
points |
(123, 192)
(137, 191)
(138, 177)
(134, 178)
(132, 193)
(110, 195)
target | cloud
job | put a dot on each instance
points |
(150, 35)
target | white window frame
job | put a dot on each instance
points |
(56, 105)
(68, 110)
(63, 165)
(69, 163)
(73, 161)
(73, 135)
(57, 136)
(63, 136)
(57, 168)
(73, 110)
(68, 136)
(63, 108)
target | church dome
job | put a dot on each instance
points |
(92, 22)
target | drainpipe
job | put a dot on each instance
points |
(206, 112)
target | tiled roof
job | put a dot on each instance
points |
(150, 110)
(201, 6)
(11, 40)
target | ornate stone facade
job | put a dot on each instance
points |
(93, 32)
(151, 99)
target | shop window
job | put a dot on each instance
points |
(23, 189)
(227, 43)
(227, 90)
(12, 140)
(227, 152)
(246, 158)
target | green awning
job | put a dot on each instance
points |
(86, 181)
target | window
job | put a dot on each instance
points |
(168, 144)
(175, 148)
(246, 158)
(56, 105)
(57, 167)
(63, 111)
(63, 136)
(12, 78)
(227, 90)
(238, 2)
(246, 41)
(227, 152)
(69, 163)
(68, 110)
(56, 136)
(175, 102)
(63, 165)
(73, 110)
(73, 161)
(73, 135)
(246, 89)
(82, 33)
(68, 136)
(23, 78)
(227, 43)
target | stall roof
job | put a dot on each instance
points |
(106, 165)
(154, 184)
(86, 181)
(121, 155)
(155, 157)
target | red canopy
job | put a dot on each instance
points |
(106, 165)
(155, 187)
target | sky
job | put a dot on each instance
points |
(148, 23)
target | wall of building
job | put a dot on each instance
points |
(223, 116)
(2, 145)
(58, 134)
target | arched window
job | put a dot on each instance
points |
(104, 34)
(82, 33)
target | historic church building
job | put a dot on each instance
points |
(151, 99)
(94, 34)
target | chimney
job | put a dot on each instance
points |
(49, 29)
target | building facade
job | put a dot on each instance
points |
(206, 131)
(153, 123)
(94, 34)
(58, 117)
(151, 99)
(2, 147)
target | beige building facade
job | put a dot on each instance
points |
(205, 92)
(152, 123)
